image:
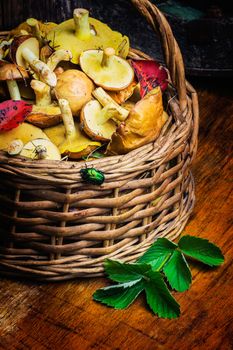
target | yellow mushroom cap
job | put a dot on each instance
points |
(107, 69)
(93, 126)
(63, 36)
(75, 150)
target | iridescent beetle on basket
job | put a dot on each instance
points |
(92, 176)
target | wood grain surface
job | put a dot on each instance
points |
(63, 315)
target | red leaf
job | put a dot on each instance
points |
(150, 74)
(13, 113)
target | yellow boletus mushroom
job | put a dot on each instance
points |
(106, 69)
(99, 118)
(68, 136)
(142, 125)
(84, 33)
(91, 118)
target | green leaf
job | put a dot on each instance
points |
(119, 296)
(158, 253)
(177, 272)
(201, 250)
(96, 155)
(159, 298)
(123, 272)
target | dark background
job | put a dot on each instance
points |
(206, 44)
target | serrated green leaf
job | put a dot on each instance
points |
(158, 253)
(124, 272)
(201, 250)
(177, 272)
(119, 296)
(159, 298)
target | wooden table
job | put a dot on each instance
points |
(63, 316)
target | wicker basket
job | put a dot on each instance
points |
(54, 226)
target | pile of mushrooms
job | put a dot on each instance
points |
(82, 93)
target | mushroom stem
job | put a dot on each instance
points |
(107, 53)
(33, 23)
(39, 67)
(15, 147)
(81, 22)
(58, 56)
(42, 92)
(108, 112)
(68, 119)
(13, 89)
(105, 100)
(32, 73)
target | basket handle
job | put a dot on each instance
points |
(171, 50)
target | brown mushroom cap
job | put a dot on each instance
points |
(142, 125)
(44, 116)
(10, 71)
(74, 86)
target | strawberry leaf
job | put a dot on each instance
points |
(159, 298)
(158, 253)
(13, 113)
(150, 74)
(177, 272)
(123, 272)
(119, 296)
(201, 250)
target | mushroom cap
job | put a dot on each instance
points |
(116, 75)
(25, 132)
(82, 146)
(123, 95)
(63, 37)
(18, 44)
(90, 124)
(10, 71)
(142, 125)
(45, 116)
(44, 28)
(75, 87)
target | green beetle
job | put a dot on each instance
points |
(92, 176)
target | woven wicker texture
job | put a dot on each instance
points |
(54, 226)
